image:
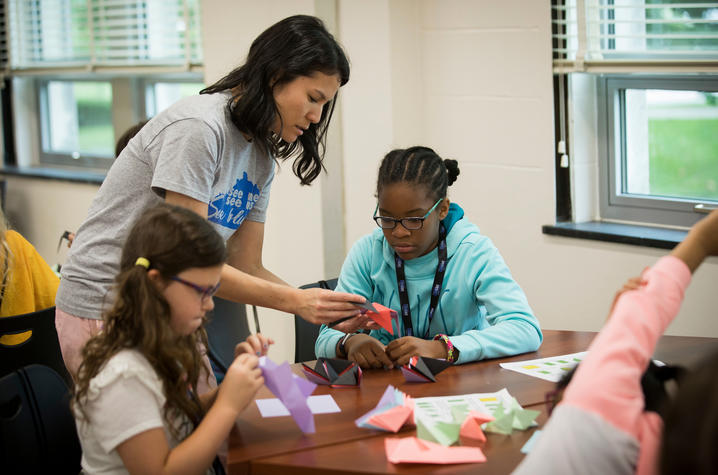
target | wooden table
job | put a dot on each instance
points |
(276, 445)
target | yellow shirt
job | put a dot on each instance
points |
(30, 286)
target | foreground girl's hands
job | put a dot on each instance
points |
(367, 352)
(402, 349)
(256, 344)
(241, 383)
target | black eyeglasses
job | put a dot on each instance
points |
(205, 292)
(412, 224)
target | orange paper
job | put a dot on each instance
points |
(471, 427)
(393, 419)
(414, 450)
(383, 317)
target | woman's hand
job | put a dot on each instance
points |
(257, 344)
(367, 352)
(324, 306)
(354, 324)
(241, 382)
(402, 349)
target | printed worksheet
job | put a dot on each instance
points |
(550, 369)
(443, 408)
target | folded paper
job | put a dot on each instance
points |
(393, 411)
(333, 372)
(384, 317)
(513, 417)
(471, 427)
(292, 390)
(420, 369)
(414, 450)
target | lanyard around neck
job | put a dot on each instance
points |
(435, 288)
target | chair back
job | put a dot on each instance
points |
(42, 347)
(227, 325)
(306, 333)
(37, 428)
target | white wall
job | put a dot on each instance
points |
(470, 78)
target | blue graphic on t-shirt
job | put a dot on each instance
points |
(230, 208)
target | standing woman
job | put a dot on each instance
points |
(215, 154)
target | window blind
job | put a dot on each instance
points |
(96, 33)
(634, 36)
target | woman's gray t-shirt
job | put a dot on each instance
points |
(192, 148)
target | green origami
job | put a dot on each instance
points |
(515, 418)
(444, 433)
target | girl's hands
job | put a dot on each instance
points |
(701, 241)
(256, 344)
(402, 349)
(324, 306)
(631, 284)
(367, 352)
(241, 383)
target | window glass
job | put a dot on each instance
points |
(161, 95)
(77, 118)
(671, 143)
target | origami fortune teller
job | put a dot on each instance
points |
(422, 370)
(334, 372)
(292, 390)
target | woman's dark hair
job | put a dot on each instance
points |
(296, 46)
(172, 239)
(418, 166)
(690, 431)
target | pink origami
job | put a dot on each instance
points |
(471, 427)
(414, 450)
(393, 411)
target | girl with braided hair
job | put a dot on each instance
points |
(453, 293)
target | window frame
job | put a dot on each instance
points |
(129, 106)
(613, 203)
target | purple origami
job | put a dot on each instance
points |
(292, 390)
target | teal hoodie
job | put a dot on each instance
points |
(481, 308)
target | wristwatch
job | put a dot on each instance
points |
(342, 342)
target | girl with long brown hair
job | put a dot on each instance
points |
(136, 405)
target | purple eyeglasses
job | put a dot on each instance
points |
(205, 292)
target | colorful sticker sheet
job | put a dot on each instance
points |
(551, 369)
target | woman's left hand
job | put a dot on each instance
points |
(402, 349)
(257, 344)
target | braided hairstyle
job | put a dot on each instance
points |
(418, 166)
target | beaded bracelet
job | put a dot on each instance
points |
(450, 353)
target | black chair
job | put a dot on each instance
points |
(37, 428)
(42, 347)
(227, 325)
(305, 333)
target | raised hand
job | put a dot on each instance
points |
(701, 241)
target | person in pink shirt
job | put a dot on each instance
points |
(601, 425)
